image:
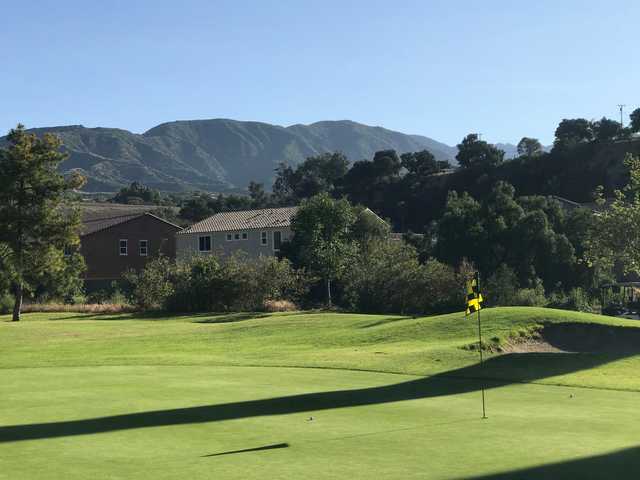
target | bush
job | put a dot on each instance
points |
(279, 306)
(6, 303)
(501, 288)
(212, 284)
(151, 287)
(530, 297)
(387, 277)
(577, 299)
(78, 308)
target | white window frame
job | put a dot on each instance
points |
(126, 247)
(273, 238)
(264, 238)
(146, 248)
(229, 237)
(236, 236)
(210, 243)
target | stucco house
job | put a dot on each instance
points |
(112, 245)
(256, 232)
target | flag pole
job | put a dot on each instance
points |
(484, 415)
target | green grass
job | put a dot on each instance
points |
(119, 396)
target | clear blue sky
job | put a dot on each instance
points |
(437, 68)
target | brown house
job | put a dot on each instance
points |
(111, 246)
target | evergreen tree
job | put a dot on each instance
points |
(37, 218)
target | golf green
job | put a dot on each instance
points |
(138, 398)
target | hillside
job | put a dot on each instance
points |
(218, 154)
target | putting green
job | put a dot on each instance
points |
(83, 397)
(438, 437)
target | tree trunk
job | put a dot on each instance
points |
(329, 292)
(17, 306)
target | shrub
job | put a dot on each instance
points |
(151, 287)
(78, 308)
(213, 284)
(501, 288)
(6, 303)
(577, 299)
(279, 306)
(387, 277)
(530, 297)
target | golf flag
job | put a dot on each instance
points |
(474, 297)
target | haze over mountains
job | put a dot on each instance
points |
(220, 154)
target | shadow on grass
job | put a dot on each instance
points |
(620, 464)
(207, 317)
(498, 371)
(385, 321)
(231, 317)
(247, 450)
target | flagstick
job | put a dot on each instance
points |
(484, 416)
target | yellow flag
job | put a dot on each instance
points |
(474, 297)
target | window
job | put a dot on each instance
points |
(277, 241)
(124, 247)
(236, 236)
(68, 250)
(263, 238)
(229, 237)
(143, 248)
(245, 235)
(204, 243)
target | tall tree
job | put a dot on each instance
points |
(313, 176)
(615, 236)
(529, 147)
(323, 234)
(571, 132)
(606, 130)
(38, 220)
(635, 120)
(473, 152)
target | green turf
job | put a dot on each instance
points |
(391, 397)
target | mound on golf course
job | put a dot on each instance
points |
(320, 396)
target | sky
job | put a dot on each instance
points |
(506, 69)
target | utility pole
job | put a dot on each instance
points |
(621, 107)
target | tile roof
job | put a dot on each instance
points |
(244, 220)
(93, 225)
(96, 224)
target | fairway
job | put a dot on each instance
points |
(310, 395)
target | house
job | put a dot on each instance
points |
(256, 232)
(112, 245)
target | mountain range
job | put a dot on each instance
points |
(219, 154)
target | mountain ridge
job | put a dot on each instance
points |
(219, 154)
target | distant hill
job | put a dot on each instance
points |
(219, 154)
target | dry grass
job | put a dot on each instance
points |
(280, 306)
(78, 308)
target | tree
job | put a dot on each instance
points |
(606, 130)
(419, 164)
(137, 194)
(571, 132)
(259, 198)
(473, 152)
(38, 221)
(529, 147)
(315, 175)
(615, 234)
(322, 230)
(635, 120)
